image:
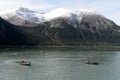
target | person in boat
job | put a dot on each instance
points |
(22, 61)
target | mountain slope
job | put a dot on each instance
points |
(11, 36)
(91, 29)
(60, 31)
(17, 35)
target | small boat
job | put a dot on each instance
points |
(92, 63)
(25, 63)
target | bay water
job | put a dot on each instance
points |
(60, 63)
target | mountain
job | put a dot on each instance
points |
(20, 35)
(91, 29)
(22, 16)
(62, 27)
(26, 17)
(9, 35)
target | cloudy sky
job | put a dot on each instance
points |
(109, 8)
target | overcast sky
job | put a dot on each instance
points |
(109, 8)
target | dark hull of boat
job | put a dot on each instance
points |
(92, 63)
(25, 64)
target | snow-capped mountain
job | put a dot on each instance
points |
(76, 15)
(24, 16)
(58, 27)
(60, 12)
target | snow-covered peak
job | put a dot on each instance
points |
(60, 12)
(6, 14)
(56, 13)
(23, 13)
(32, 16)
(81, 12)
(87, 11)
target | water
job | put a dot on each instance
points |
(60, 63)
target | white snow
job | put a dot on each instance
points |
(88, 12)
(73, 15)
(56, 13)
(23, 13)
(33, 16)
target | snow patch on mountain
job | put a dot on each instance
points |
(76, 15)
(60, 12)
(22, 13)
(36, 17)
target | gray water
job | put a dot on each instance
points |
(60, 63)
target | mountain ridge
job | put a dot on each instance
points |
(24, 16)
(74, 28)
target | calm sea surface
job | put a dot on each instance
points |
(60, 63)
